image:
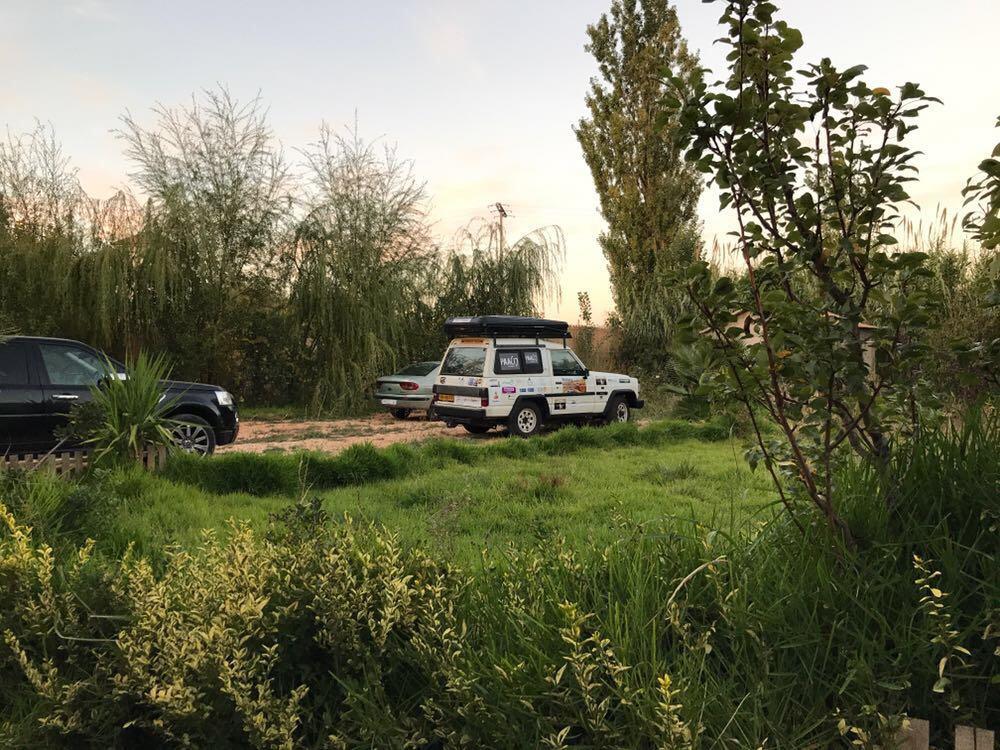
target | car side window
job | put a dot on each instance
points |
(13, 365)
(69, 365)
(517, 362)
(532, 361)
(508, 362)
(564, 363)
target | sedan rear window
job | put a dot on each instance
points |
(464, 360)
(419, 368)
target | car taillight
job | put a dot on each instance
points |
(406, 385)
(484, 402)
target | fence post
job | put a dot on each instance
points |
(971, 738)
(915, 737)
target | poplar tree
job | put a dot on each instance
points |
(648, 193)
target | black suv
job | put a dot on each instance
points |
(41, 378)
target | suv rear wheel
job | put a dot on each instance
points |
(193, 434)
(525, 420)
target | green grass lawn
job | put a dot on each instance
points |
(457, 509)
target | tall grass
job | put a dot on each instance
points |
(281, 473)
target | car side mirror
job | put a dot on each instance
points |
(586, 372)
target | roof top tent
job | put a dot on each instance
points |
(507, 326)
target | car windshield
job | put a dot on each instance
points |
(464, 360)
(418, 368)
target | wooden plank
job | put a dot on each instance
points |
(61, 463)
(965, 738)
(916, 737)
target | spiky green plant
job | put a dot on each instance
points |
(126, 414)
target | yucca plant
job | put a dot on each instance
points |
(126, 415)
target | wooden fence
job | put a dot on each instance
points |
(73, 462)
(918, 737)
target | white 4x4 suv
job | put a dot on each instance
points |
(505, 370)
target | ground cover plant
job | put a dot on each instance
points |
(314, 633)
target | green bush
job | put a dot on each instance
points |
(256, 474)
(319, 634)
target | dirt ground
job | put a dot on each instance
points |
(333, 435)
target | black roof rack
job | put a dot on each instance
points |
(507, 325)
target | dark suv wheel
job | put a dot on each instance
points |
(525, 420)
(193, 434)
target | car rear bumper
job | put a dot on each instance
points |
(453, 415)
(403, 401)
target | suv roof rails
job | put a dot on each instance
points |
(507, 326)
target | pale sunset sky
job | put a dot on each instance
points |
(482, 96)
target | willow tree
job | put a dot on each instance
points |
(40, 231)
(361, 264)
(648, 193)
(483, 275)
(218, 190)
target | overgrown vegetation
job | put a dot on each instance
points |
(286, 473)
(621, 587)
(286, 283)
(311, 633)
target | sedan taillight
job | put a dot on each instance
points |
(406, 385)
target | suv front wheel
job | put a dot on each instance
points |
(193, 434)
(619, 410)
(525, 420)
